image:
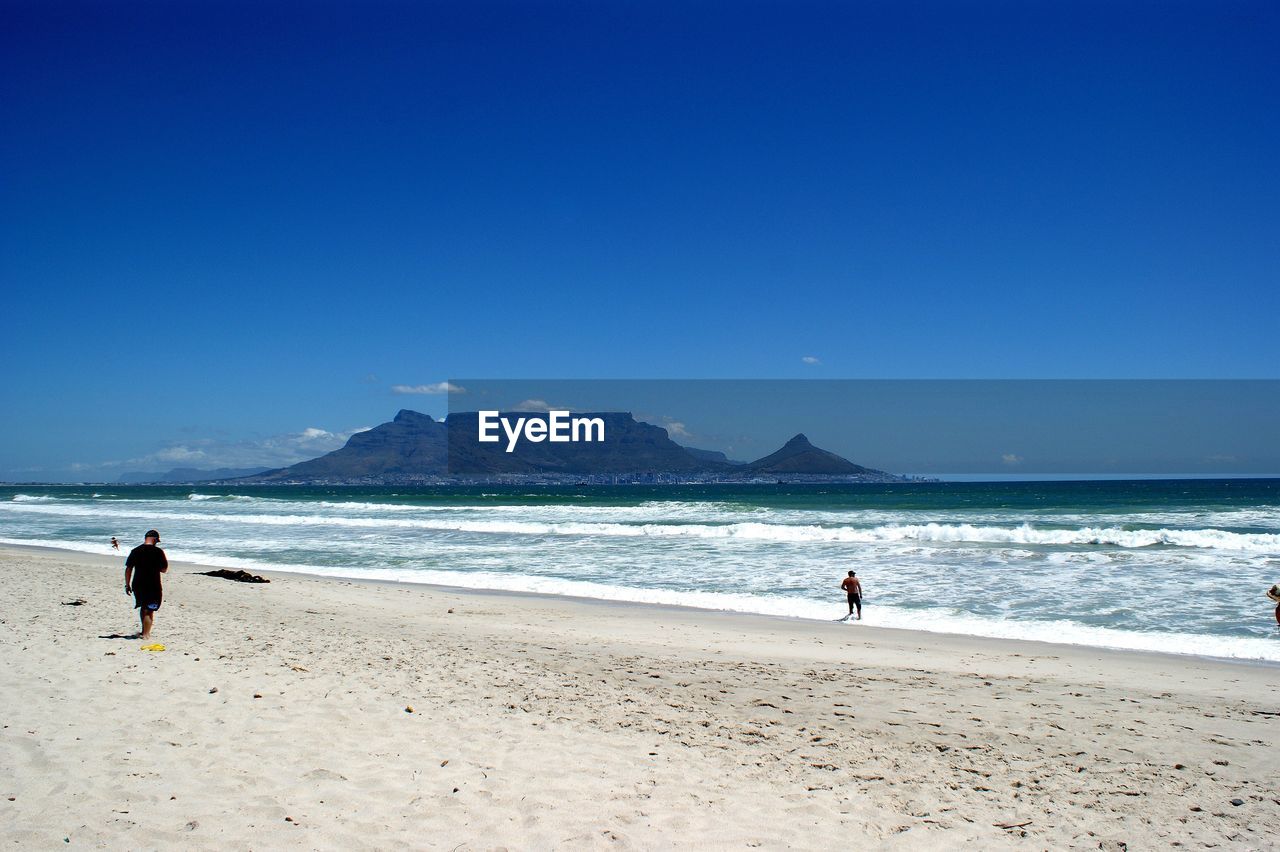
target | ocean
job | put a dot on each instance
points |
(1174, 566)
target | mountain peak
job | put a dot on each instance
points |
(404, 415)
(798, 456)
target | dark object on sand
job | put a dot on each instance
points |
(238, 576)
(76, 602)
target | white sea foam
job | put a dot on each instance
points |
(66, 544)
(1024, 534)
(1125, 570)
(1061, 631)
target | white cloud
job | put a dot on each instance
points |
(675, 429)
(179, 453)
(437, 388)
(1011, 459)
(272, 451)
(534, 405)
(811, 359)
(313, 435)
(209, 453)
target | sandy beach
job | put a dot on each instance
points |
(323, 713)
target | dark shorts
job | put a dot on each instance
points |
(149, 602)
(855, 600)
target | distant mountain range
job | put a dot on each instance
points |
(416, 447)
(187, 474)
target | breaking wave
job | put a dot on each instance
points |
(942, 533)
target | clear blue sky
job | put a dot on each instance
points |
(222, 224)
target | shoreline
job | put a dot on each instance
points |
(915, 636)
(317, 712)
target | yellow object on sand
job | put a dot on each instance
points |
(156, 647)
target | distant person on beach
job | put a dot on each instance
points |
(853, 588)
(142, 570)
(1274, 594)
(115, 545)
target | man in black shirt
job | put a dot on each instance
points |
(142, 572)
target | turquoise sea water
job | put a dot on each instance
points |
(1180, 566)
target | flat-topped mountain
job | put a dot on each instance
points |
(631, 446)
(416, 446)
(411, 444)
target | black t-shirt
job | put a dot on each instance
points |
(147, 561)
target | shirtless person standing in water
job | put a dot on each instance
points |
(853, 588)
